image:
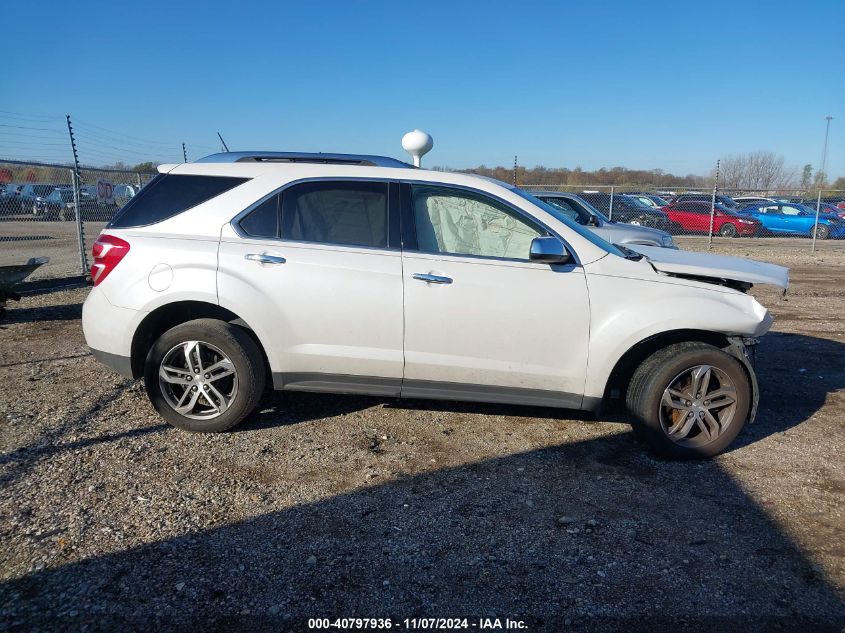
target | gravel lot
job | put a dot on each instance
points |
(333, 506)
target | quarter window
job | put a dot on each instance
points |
(263, 221)
(462, 223)
(168, 195)
(343, 213)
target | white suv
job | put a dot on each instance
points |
(361, 274)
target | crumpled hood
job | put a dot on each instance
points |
(717, 266)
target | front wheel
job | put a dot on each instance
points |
(822, 231)
(204, 375)
(689, 400)
(727, 230)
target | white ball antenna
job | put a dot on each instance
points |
(417, 143)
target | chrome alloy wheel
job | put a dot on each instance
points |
(198, 380)
(698, 405)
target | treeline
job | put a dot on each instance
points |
(564, 176)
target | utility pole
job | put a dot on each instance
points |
(184, 153)
(80, 233)
(225, 147)
(514, 170)
(824, 150)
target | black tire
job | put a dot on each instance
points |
(237, 345)
(822, 231)
(727, 230)
(656, 374)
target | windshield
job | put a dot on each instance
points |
(727, 201)
(565, 219)
(635, 202)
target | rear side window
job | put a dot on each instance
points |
(342, 213)
(167, 195)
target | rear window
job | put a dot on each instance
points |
(167, 195)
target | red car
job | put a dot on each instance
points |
(693, 216)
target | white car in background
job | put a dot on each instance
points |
(362, 274)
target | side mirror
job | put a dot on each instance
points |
(592, 221)
(549, 250)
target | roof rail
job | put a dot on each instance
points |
(300, 157)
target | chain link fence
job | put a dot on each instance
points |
(46, 210)
(708, 218)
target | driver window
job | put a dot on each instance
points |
(786, 210)
(464, 223)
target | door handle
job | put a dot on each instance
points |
(432, 279)
(263, 258)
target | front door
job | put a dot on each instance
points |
(482, 322)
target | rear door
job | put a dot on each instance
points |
(482, 322)
(316, 270)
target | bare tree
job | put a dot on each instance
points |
(758, 170)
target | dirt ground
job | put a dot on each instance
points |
(339, 506)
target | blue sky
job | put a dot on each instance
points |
(671, 85)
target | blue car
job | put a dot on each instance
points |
(790, 218)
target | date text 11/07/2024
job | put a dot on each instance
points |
(429, 624)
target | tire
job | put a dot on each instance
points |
(653, 419)
(727, 230)
(822, 231)
(240, 390)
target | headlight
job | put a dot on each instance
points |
(747, 221)
(667, 241)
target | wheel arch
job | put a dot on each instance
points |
(620, 376)
(170, 315)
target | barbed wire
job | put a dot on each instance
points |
(21, 131)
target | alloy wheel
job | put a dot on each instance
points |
(198, 380)
(698, 405)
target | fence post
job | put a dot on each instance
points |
(610, 210)
(713, 207)
(138, 178)
(80, 233)
(816, 225)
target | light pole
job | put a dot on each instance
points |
(824, 149)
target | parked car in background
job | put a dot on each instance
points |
(827, 207)
(339, 273)
(796, 219)
(693, 216)
(60, 204)
(10, 199)
(32, 193)
(627, 209)
(585, 214)
(725, 201)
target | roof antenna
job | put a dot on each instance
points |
(226, 147)
(417, 143)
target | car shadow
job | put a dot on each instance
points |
(595, 534)
(60, 312)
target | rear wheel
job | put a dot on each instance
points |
(727, 230)
(204, 375)
(822, 231)
(689, 400)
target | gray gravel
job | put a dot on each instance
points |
(327, 506)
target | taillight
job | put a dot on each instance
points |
(108, 251)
